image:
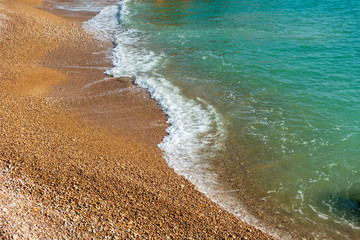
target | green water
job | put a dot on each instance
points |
(285, 78)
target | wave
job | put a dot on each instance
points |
(196, 129)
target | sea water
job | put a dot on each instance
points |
(263, 98)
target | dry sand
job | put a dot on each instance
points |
(68, 172)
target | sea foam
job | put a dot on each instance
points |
(82, 5)
(197, 130)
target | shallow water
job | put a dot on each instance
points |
(263, 98)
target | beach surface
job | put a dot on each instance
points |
(77, 162)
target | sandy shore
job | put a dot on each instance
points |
(77, 163)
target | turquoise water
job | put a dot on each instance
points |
(264, 102)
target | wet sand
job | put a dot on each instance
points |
(78, 149)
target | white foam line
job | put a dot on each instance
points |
(96, 82)
(80, 6)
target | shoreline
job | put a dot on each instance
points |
(69, 178)
(103, 101)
